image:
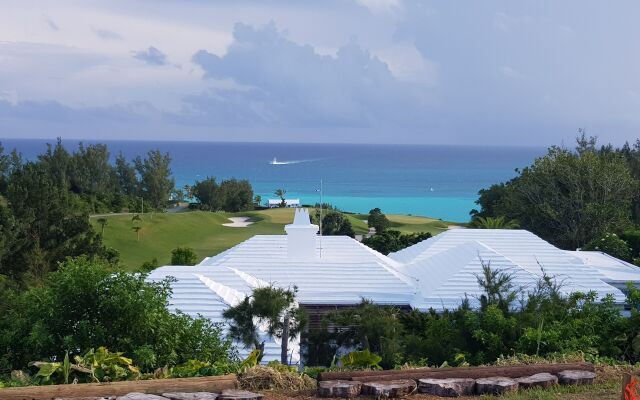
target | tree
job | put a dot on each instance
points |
(178, 195)
(136, 220)
(188, 191)
(236, 195)
(156, 182)
(568, 198)
(335, 223)
(54, 223)
(137, 229)
(257, 201)
(378, 220)
(102, 221)
(273, 306)
(494, 223)
(372, 327)
(391, 241)
(206, 193)
(281, 193)
(90, 172)
(183, 256)
(126, 177)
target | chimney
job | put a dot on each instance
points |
(301, 236)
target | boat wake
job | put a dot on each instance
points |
(276, 162)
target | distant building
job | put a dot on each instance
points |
(290, 203)
(336, 271)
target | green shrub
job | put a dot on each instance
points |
(183, 256)
(361, 360)
(611, 244)
(86, 304)
(390, 241)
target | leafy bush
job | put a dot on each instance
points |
(611, 244)
(203, 368)
(361, 360)
(545, 324)
(95, 366)
(335, 223)
(183, 256)
(372, 327)
(391, 241)
(86, 304)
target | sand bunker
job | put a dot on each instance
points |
(239, 222)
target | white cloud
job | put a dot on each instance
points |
(291, 84)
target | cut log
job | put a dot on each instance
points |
(346, 389)
(496, 385)
(155, 386)
(544, 380)
(389, 389)
(454, 387)
(576, 377)
(233, 394)
(512, 371)
(141, 396)
(191, 396)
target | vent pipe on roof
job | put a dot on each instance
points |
(301, 236)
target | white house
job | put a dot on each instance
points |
(289, 203)
(336, 271)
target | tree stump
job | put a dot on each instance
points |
(191, 396)
(572, 377)
(346, 389)
(389, 389)
(452, 387)
(538, 380)
(140, 396)
(496, 385)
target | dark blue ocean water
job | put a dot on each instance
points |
(436, 181)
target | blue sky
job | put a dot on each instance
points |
(376, 71)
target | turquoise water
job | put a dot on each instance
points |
(435, 181)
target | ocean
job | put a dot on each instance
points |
(435, 181)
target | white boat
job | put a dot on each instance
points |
(276, 162)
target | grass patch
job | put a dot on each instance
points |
(203, 231)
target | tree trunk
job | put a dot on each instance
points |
(284, 354)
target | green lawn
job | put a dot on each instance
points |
(410, 223)
(203, 231)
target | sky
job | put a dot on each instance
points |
(358, 71)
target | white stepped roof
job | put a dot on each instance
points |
(347, 272)
(447, 265)
(615, 271)
(436, 273)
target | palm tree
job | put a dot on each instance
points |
(188, 191)
(280, 193)
(494, 223)
(135, 220)
(137, 229)
(103, 222)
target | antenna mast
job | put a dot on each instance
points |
(321, 206)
